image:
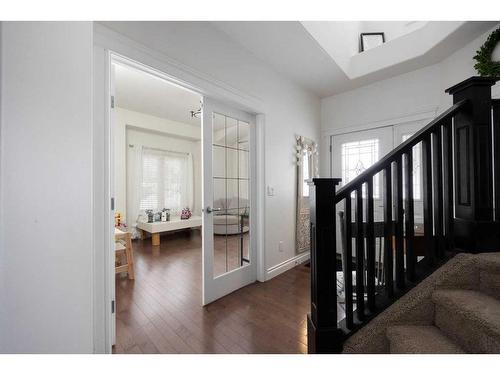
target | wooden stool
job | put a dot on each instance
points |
(123, 248)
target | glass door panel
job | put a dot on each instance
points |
(231, 219)
(229, 259)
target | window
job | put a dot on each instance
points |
(417, 177)
(166, 180)
(356, 158)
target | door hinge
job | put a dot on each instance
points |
(112, 306)
(112, 101)
(330, 149)
(112, 204)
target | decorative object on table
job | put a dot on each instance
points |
(370, 40)
(306, 158)
(118, 218)
(165, 214)
(123, 227)
(157, 216)
(151, 216)
(186, 213)
(486, 66)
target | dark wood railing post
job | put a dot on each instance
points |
(496, 155)
(323, 335)
(474, 228)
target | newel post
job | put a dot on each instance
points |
(323, 336)
(474, 228)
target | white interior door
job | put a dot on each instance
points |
(229, 170)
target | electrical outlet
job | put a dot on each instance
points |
(280, 247)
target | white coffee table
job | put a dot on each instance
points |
(159, 227)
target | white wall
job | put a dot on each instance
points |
(204, 51)
(46, 187)
(141, 129)
(402, 98)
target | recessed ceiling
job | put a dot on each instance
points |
(288, 48)
(142, 92)
(323, 56)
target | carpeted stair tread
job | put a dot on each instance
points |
(489, 261)
(475, 305)
(420, 340)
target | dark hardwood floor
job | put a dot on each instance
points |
(160, 311)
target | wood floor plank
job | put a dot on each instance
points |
(160, 311)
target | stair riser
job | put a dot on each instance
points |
(490, 282)
(470, 335)
(395, 348)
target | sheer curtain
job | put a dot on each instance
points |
(167, 180)
(134, 187)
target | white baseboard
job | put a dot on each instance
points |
(286, 265)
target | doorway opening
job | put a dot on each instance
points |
(156, 134)
(182, 178)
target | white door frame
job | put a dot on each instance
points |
(109, 47)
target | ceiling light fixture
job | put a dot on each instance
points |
(196, 114)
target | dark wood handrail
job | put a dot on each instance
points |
(347, 189)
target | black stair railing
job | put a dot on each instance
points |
(460, 211)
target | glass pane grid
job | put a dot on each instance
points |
(231, 182)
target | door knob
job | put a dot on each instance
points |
(210, 209)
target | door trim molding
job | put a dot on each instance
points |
(107, 44)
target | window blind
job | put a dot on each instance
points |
(166, 180)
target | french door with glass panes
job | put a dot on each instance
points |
(229, 237)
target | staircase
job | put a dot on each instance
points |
(444, 301)
(455, 310)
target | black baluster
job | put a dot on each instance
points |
(430, 254)
(438, 191)
(388, 231)
(370, 247)
(360, 256)
(411, 259)
(347, 264)
(448, 183)
(398, 195)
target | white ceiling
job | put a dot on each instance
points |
(290, 50)
(141, 92)
(323, 57)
